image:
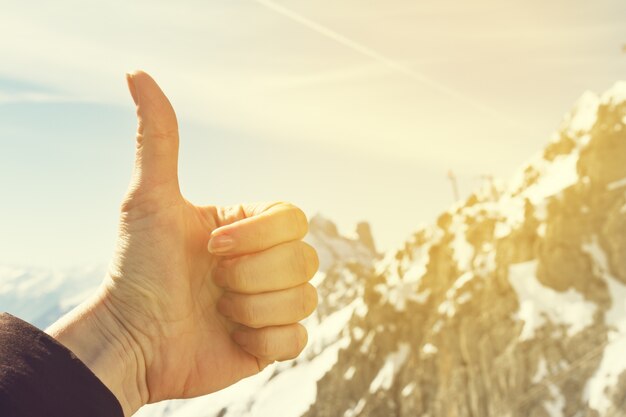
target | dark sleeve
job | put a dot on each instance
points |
(40, 377)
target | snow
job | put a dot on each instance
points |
(331, 248)
(584, 139)
(541, 230)
(616, 316)
(555, 177)
(539, 304)
(429, 349)
(584, 114)
(349, 373)
(547, 178)
(318, 279)
(555, 405)
(463, 251)
(408, 390)
(613, 362)
(542, 371)
(361, 308)
(418, 253)
(326, 254)
(448, 305)
(211, 405)
(502, 230)
(358, 333)
(328, 330)
(400, 287)
(387, 373)
(541, 212)
(416, 297)
(437, 326)
(398, 295)
(420, 297)
(616, 184)
(464, 298)
(353, 412)
(460, 282)
(447, 308)
(616, 94)
(367, 341)
(512, 211)
(415, 273)
(552, 178)
(606, 376)
(403, 274)
(294, 390)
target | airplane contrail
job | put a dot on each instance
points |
(377, 56)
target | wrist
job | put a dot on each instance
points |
(93, 332)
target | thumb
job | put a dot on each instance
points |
(156, 160)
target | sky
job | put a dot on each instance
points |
(353, 109)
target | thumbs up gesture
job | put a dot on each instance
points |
(196, 298)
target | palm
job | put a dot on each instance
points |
(200, 344)
(184, 322)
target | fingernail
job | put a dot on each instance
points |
(132, 88)
(224, 306)
(221, 244)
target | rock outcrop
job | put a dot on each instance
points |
(514, 303)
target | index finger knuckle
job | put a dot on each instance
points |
(298, 221)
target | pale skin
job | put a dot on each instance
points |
(197, 297)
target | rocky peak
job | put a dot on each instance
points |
(512, 303)
(364, 233)
(333, 247)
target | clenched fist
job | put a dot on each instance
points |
(196, 298)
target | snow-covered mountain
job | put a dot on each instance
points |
(512, 304)
(41, 296)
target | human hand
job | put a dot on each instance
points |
(196, 298)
